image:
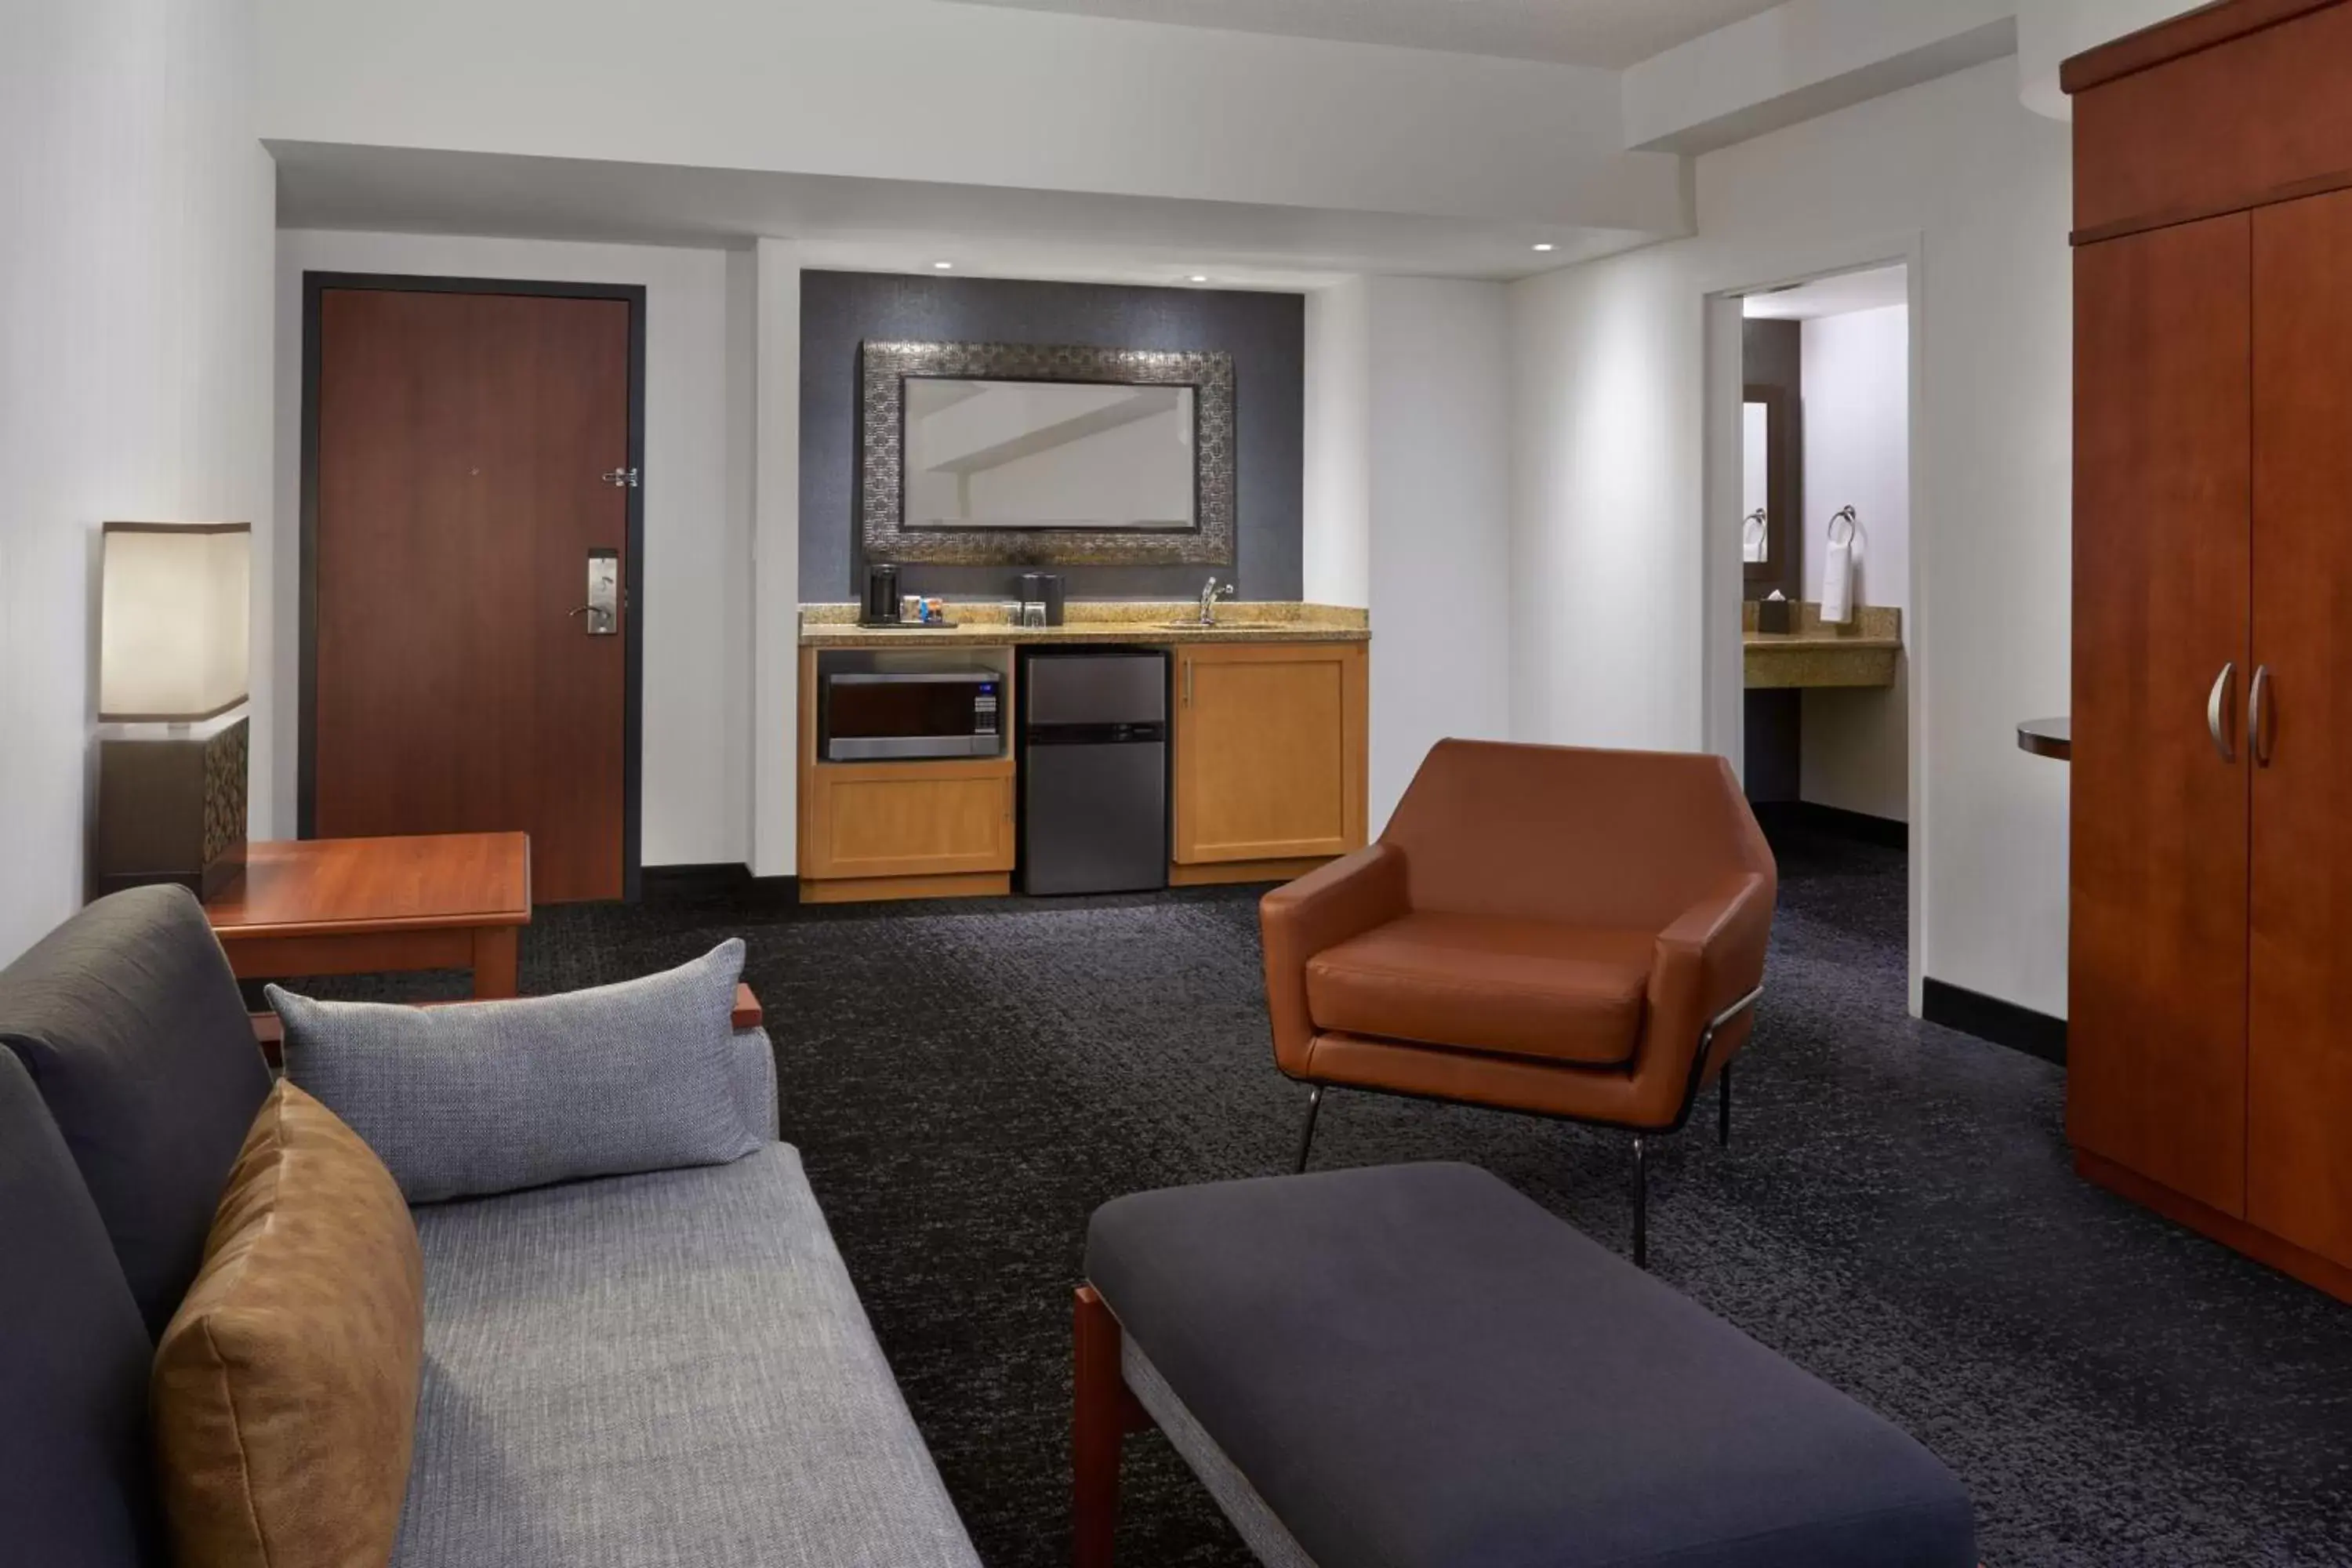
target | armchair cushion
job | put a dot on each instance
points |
(497, 1096)
(1485, 983)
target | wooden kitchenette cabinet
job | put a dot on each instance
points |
(2209, 1072)
(1269, 758)
(1266, 771)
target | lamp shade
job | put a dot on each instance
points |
(173, 620)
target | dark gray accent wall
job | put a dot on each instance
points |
(1265, 333)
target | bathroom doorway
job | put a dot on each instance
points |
(1823, 527)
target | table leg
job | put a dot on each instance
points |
(494, 962)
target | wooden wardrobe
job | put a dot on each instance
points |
(2209, 1051)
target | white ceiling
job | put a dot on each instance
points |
(1610, 33)
(903, 225)
(1837, 296)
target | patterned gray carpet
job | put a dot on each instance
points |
(1895, 1212)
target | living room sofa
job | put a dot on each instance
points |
(657, 1369)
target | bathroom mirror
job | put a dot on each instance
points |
(988, 453)
(1755, 471)
(1767, 491)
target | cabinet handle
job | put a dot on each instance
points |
(1187, 683)
(2216, 712)
(2258, 716)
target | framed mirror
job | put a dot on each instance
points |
(1768, 491)
(981, 454)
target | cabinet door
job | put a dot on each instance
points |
(1270, 754)
(909, 819)
(2299, 1065)
(2157, 1027)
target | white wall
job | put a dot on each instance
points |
(1441, 546)
(1804, 58)
(775, 345)
(1612, 370)
(1408, 504)
(134, 315)
(1336, 542)
(1857, 380)
(1857, 427)
(696, 589)
(922, 90)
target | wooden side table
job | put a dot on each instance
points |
(359, 906)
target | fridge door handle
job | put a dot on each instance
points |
(2258, 716)
(2217, 707)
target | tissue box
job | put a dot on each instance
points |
(1772, 615)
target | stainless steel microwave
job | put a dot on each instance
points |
(883, 709)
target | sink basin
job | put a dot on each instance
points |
(1226, 626)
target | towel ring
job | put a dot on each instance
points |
(1844, 515)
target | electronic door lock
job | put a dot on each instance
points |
(604, 606)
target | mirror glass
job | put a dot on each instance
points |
(1756, 482)
(1047, 453)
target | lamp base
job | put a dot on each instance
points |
(171, 808)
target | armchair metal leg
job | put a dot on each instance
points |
(1722, 1115)
(1641, 1201)
(1306, 1135)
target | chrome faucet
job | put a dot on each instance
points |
(1209, 593)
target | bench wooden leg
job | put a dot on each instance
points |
(1101, 1418)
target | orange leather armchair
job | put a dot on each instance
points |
(1560, 931)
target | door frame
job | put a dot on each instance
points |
(1722, 664)
(633, 629)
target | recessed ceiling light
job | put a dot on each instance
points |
(1544, 244)
(944, 265)
(1200, 278)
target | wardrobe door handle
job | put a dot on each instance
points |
(2217, 707)
(2258, 716)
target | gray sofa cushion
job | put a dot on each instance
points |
(498, 1096)
(129, 1023)
(1414, 1367)
(75, 1491)
(662, 1370)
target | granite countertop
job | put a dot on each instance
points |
(1863, 652)
(1146, 621)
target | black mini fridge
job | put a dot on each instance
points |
(1094, 770)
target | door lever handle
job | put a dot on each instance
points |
(2258, 717)
(2217, 707)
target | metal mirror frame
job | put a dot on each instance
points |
(884, 368)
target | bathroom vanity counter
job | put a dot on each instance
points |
(1150, 624)
(1861, 653)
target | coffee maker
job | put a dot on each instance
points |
(1042, 590)
(881, 606)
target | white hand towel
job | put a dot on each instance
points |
(1837, 585)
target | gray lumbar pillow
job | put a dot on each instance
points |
(466, 1101)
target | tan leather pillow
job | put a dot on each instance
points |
(285, 1388)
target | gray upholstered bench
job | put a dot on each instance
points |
(1414, 1366)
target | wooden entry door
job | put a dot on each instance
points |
(2163, 458)
(463, 442)
(2299, 1050)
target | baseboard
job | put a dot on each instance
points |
(1835, 820)
(729, 880)
(1990, 1019)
